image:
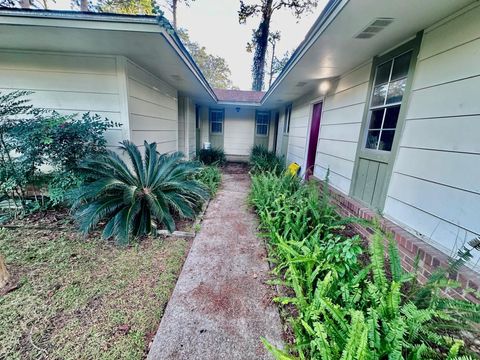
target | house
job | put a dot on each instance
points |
(381, 95)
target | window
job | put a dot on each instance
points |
(288, 115)
(262, 123)
(197, 117)
(216, 121)
(387, 96)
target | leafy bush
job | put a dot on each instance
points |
(346, 307)
(133, 198)
(211, 177)
(213, 156)
(33, 138)
(262, 160)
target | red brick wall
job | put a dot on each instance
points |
(409, 246)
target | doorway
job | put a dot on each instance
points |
(313, 139)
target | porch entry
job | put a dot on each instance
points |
(379, 135)
(313, 139)
(216, 127)
(262, 128)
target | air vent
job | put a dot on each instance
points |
(374, 28)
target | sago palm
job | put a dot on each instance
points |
(133, 198)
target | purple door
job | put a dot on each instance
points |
(313, 139)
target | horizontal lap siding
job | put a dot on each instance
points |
(239, 131)
(434, 188)
(153, 109)
(340, 128)
(68, 84)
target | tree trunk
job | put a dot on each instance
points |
(4, 275)
(25, 4)
(174, 13)
(271, 64)
(84, 5)
(261, 44)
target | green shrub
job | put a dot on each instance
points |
(346, 307)
(40, 139)
(211, 177)
(134, 198)
(262, 160)
(213, 156)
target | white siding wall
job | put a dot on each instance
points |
(239, 131)
(69, 83)
(435, 188)
(153, 109)
(340, 128)
(186, 127)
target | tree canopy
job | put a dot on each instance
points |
(214, 68)
(265, 9)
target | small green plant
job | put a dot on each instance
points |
(262, 160)
(213, 156)
(211, 177)
(134, 198)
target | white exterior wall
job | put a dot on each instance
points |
(435, 188)
(69, 83)
(153, 109)
(342, 116)
(239, 130)
(186, 127)
(340, 125)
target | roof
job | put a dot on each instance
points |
(240, 96)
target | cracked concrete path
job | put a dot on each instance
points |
(221, 307)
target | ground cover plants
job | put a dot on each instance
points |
(261, 160)
(211, 177)
(344, 299)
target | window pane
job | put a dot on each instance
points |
(216, 127)
(372, 139)
(383, 73)
(396, 90)
(262, 129)
(391, 117)
(386, 140)
(379, 93)
(401, 65)
(376, 120)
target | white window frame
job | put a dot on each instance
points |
(219, 111)
(383, 106)
(267, 115)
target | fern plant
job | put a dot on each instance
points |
(346, 308)
(134, 198)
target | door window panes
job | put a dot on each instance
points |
(387, 95)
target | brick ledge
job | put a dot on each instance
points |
(409, 245)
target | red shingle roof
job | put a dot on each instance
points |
(245, 96)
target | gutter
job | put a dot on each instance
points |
(169, 33)
(312, 35)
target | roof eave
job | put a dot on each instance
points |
(315, 31)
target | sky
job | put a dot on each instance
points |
(214, 24)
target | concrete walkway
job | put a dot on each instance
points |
(220, 307)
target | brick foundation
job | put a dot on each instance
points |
(408, 245)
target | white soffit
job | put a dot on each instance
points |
(337, 50)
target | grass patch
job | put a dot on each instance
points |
(85, 297)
